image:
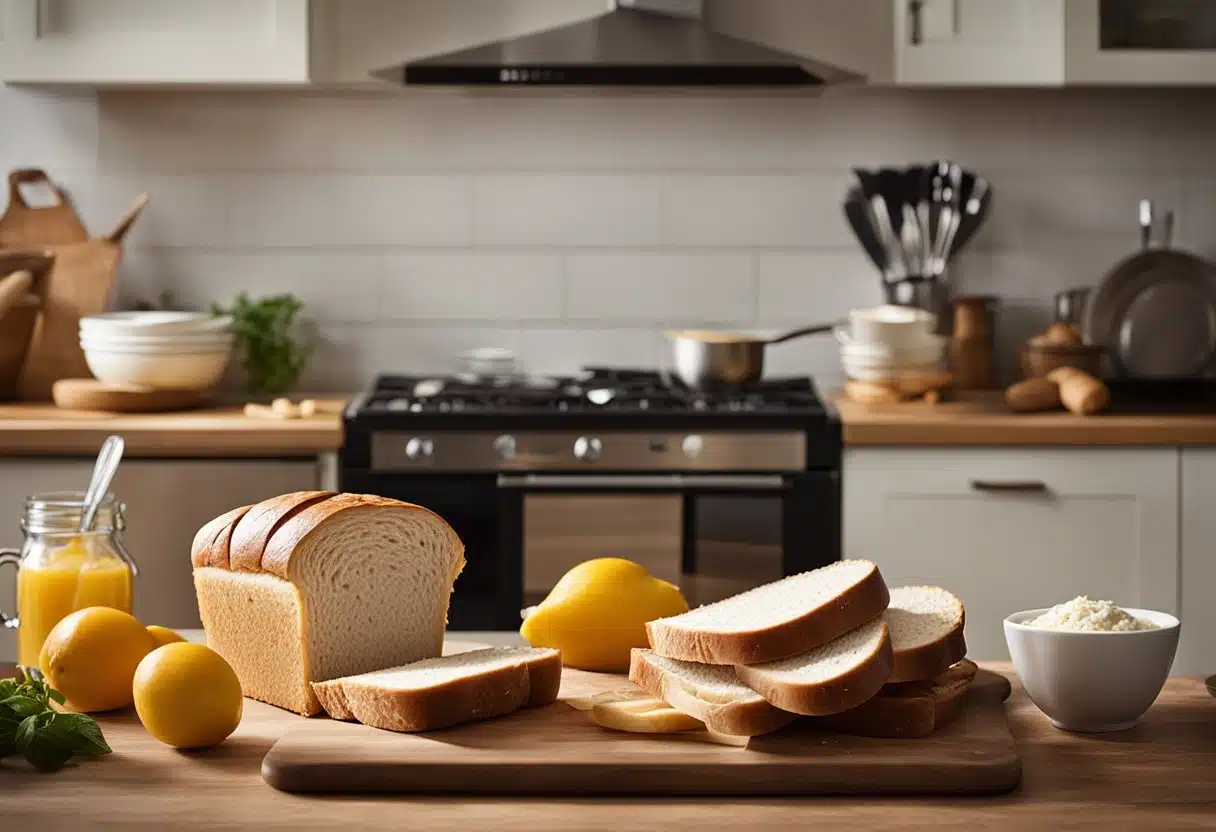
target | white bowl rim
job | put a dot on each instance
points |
(151, 317)
(181, 338)
(893, 314)
(208, 351)
(1164, 621)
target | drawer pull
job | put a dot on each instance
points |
(1010, 487)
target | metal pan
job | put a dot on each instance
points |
(704, 359)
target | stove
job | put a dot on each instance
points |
(538, 473)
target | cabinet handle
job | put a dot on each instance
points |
(1010, 487)
(916, 30)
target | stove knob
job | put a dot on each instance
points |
(419, 449)
(504, 446)
(588, 448)
(692, 446)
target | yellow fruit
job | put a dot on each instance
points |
(598, 611)
(163, 635)
(187, 696)
(90, 657)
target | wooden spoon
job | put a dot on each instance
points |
(13, 288)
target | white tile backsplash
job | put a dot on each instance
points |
(574, 227)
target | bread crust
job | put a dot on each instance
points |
(741, 719)
(929, 660)
(860, 604)
(907, 710)
(206, 550)
(495, 692)
(253, 532)
(277, 554)
(840, 693)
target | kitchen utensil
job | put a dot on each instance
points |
(23, 226)
(914, 246)
(705, 358)
(858, 216)
(897, 266)
(1070, 305)
(79, 284)
(17, 325)
(91, 394)
(99, 485)
(1037, 360)
(14, 288)
(976, 201)
(1155, 312)
(931, 296)
(1092, 681)
(558, 750)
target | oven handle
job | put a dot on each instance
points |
(612, 482)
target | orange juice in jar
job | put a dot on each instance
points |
(61, 570)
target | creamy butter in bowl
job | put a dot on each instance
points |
(1091, 665)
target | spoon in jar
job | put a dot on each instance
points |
(103, 474)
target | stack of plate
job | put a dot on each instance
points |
(158, 350)
(888, 343)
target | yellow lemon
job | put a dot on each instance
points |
(163, 635)
(598, 611)
(187, 696)
(90, 657)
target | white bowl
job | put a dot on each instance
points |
(895, 327)
(161, 370)
(202, 341)
(1092, 681)
(932, 350)
(154, 323)
(883, 375)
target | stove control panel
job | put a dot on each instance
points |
(608, 451)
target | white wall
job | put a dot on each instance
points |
(574, 228)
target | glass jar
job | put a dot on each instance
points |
(61, 570)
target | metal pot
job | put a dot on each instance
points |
(713, 359)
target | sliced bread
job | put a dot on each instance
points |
(437, 693)
(926, 624)
(835, 677)
(909, 709)
(777, 620)
(343, 584)
(710, 693)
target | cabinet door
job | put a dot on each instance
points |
(1143, 43)
(1197, 647)
(154, 41)
(1014, 529)
(166, 503)
(979, 42)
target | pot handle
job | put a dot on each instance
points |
(818, 329)
(9, 557)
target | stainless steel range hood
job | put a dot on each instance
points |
(636, 43)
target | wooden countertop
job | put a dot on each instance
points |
(44, 429)
(983, 419)
(1160, 775)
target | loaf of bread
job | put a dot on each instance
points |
(312, 586)
(1032, 395)
(1080, 392)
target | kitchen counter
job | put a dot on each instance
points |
(28, 429)
(979, 419)
(1159, 775)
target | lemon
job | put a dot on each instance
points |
(90, 657)
(163, 635)
(598, 612)
(187, 696)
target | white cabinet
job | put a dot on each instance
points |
(155, 41)
(1011, 529)
(979, 42)
(166, 503)
(1182, 38)
(1197, 648)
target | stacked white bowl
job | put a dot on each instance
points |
(887, 343)
(158, 350)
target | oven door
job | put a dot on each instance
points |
(564, 520)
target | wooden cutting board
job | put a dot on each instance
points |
(91, 394)
(557, 750)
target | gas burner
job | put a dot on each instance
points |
(594, 390)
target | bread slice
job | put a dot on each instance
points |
(926, 624)
(710, 693)
(776, 620)
(909, 709)
(835, 677)
(344, 584)
(437, 693)
(211, 544)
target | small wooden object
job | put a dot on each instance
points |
(1039, 359)
(91, 394)
(14, 288)
(928, 385)
(23, 226)
(559, 751)
(971, 345)
(1032, 395)
(18, 323)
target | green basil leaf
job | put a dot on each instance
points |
(24, 706)
(8, 687)
(32, 674)
(47, 755)
(79, 732)
(56, 695)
